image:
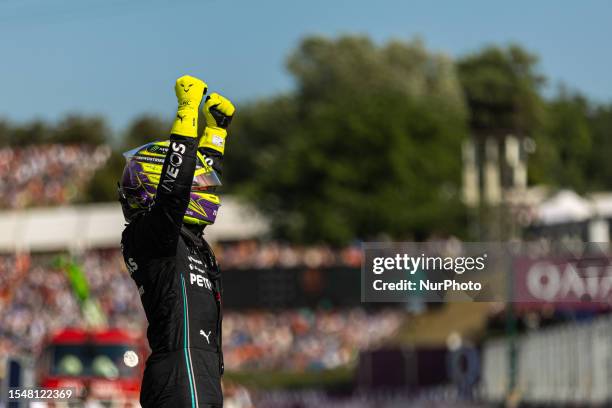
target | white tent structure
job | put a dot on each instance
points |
(565, 206)
(602, 204)
(100, 226)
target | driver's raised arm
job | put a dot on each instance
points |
(179, 166)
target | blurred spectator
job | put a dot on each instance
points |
(47, 174)
(236, 395)
(252, 254)
(41, 301)
(303, 339)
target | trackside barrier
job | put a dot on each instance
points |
(569, 364)
(495, 366)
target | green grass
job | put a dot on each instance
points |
(433, 327)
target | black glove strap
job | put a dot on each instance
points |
(223, 121)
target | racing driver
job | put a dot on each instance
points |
(167, 195)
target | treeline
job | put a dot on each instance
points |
(368, 144)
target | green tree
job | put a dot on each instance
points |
(502, 89)
(34, 132)
(564, 144)
(598, 167)
(369, 144)
(256, 138)
(145, 129)
(73, 129)
(103, 185)
(5, 133)
(77, 129)
(354, 67)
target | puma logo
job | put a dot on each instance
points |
(186, 88)
(206, 335)
(181, 117)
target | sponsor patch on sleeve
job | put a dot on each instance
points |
(217, 140)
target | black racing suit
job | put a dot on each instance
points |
(179, 285)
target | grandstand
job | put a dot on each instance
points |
(294, 309)
(276, 330)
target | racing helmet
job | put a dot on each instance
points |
(141, 176)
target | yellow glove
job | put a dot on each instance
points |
(218, 112)
(189, 92)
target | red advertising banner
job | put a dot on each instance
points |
(571, 282)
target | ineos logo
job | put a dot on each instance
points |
(176, 159)
(132, 266)
(174, 163)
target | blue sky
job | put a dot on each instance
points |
(119, 58)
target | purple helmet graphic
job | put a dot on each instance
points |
(141, 175)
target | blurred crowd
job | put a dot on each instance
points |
(303, 339)
(53, 174)
(253, 254)
(37, 299)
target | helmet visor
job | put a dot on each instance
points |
(152, 156)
